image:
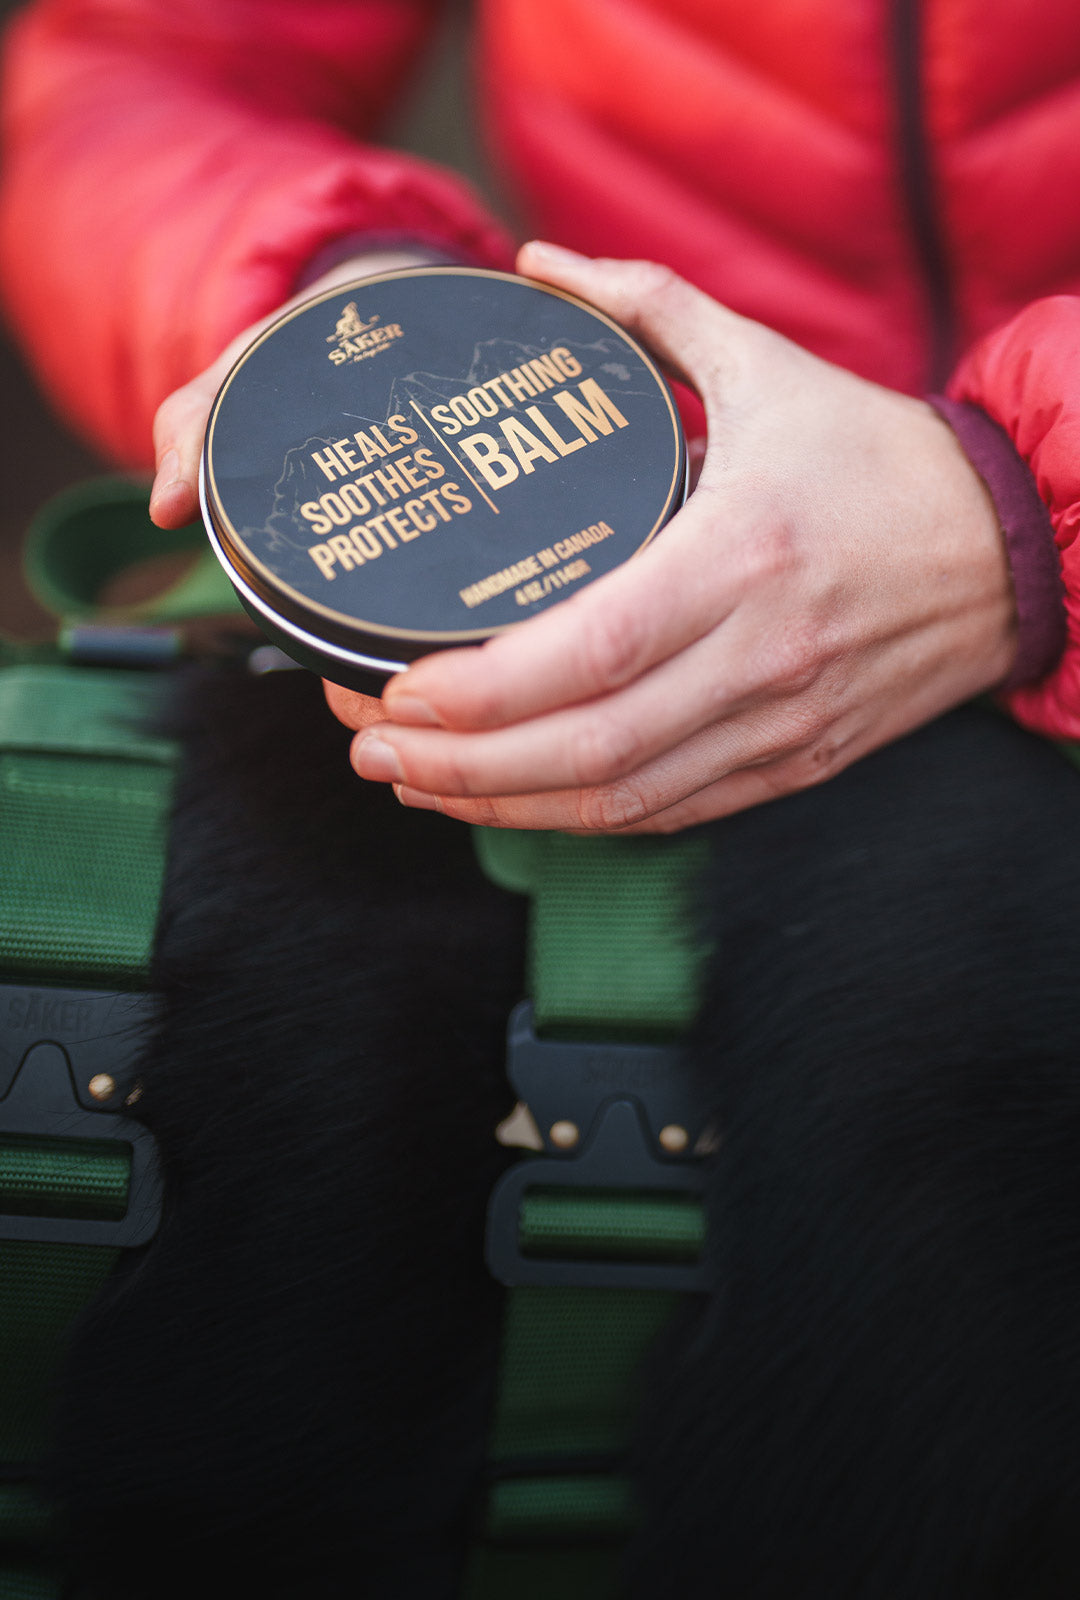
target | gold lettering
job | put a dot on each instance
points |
(433, 499)
(491, 462)
(565, 447)
(518, 384)
(319, 523)
(391, 480)
(388, 448)
(483, 402)
(372, 451)
(379, 524)
(365, 541)
(453, 495)
(342, 548)
(399, 425)
(413, 478)
(525, 444)
(401, 524)
(568, 365)
(543, 371)
(368, 480)
(423, 519)
(335, 509)
(446, 421)
(598, 413)
(328, 464)
(353, 496)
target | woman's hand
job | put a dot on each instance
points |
(181, 419)
(837, 578)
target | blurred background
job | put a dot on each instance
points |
(41, 456)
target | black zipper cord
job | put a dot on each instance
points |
(919, 189)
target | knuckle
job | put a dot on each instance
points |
(603, 748)
(482, 810)
(818, 761)
(771, 550)
(612, 648)
(796, 661)
(469, 688)
(478, 705)
(165, 419)
(797, 658)
(825, 759)
(650, 279)
(179, 414)
(611, 807)
(448, 774)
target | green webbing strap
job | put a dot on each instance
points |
(612, 954)
(84, 797)
(96, 530)
(84, 801)
(611, 943)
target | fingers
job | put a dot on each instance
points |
(646, 611)
(355, 710)
(618, 808)
(657, 603)
(180, 423)
(595, 783)
(677, 792)
(178, 434)
(685, 328)
(598, 742)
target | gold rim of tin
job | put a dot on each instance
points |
(267, 584)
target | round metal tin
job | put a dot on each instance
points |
(424, 458)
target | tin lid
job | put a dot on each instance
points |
(426, 457)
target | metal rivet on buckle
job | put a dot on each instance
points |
(618, 1117)
(55, 1047)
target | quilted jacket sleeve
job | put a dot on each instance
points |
(172, 165)
(1026, 376)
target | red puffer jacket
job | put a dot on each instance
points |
(885, 181)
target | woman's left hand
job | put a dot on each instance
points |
(837, 578)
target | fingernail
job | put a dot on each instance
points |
(375, 759)
(557, 252)
(407, 708)
(416, 799)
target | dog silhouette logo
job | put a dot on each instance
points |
(350, 324)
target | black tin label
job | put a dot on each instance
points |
(438, 454)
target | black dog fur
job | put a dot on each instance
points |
(881, 1401)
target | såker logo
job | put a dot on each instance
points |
(357, 340)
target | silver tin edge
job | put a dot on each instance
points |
(308, 641)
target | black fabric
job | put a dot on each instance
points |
(286, 1393)
(882, 1401)
(295, 1374)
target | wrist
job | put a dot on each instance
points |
(358, 252)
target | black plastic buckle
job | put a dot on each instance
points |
(620, 1097)
(53, 1044)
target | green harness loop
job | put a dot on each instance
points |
(613, 959)
(84, 800)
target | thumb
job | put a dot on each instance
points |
(690, 332)
(178, 435)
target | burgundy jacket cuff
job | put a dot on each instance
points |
(1029, 538)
